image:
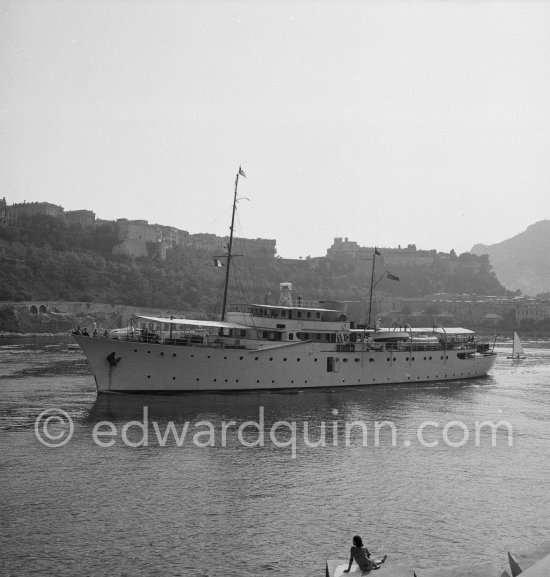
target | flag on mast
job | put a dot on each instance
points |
(376, 252)
(391, 276)
(218, 262)
(241, 171)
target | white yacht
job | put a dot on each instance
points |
(279, 347)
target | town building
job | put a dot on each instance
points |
(3, 212)
(470, 310)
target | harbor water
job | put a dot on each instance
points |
(266, 483)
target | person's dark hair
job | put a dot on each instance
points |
(357, 541)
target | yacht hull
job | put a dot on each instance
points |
(126, 366)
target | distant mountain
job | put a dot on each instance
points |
(522, 262)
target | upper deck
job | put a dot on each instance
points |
(315, 318)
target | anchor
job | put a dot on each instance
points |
(113, 359)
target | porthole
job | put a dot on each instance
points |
(241, 358)
(173, 354)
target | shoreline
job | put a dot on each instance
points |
(7, 335)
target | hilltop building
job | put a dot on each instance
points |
(344, 249)
(349, 251)
(81, 217)
(10, 215)
(14, 212)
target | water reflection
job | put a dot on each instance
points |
(314, 405)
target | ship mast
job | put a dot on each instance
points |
(230, 245)
(372, 284)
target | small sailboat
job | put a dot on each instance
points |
(517, 349)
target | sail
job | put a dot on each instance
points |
(517, 348)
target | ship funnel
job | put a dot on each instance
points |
(285, 298)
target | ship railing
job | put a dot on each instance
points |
(402, 346)
(186, 340)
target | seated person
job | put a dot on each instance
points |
(362, 557)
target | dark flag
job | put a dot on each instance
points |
(218, 262)
(241, 172)
(376, 251)
(391, 276)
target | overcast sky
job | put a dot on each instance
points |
(387, 122)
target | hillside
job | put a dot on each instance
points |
(522, 262)
(46, 259)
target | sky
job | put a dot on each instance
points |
(391, 123)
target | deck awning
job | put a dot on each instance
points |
(436, 330)
(194, 322)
